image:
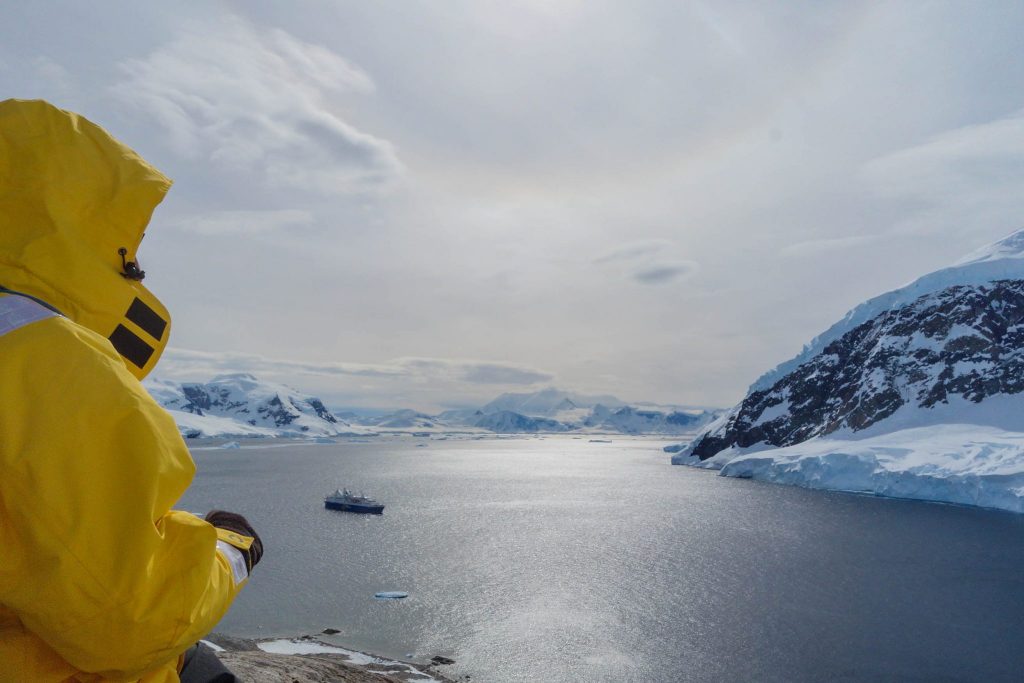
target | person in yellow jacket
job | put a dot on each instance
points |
(99, 578)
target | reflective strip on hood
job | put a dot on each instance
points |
(18, 311)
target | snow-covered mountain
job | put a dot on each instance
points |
(402, 419)
(508, 422)
(630, 420)
(548, 403)
(554, 410)
(946, 349)
(241, 405)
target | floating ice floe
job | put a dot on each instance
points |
(390, 595)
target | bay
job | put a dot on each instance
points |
(557, 559)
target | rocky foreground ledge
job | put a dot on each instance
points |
(308, 660)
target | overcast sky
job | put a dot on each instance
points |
(425, 204)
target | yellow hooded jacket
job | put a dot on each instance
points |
(99, 578)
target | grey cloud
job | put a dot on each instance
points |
(660, 273)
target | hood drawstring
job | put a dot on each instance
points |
(131, 268)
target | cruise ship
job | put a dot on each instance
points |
(343, 499)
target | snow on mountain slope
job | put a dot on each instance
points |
(241, 405)
(953, 463)
(460, 417)
(947, 349)
(403, 419)
(588, 413)
(629, 420)
(547, 402)
(508, 422)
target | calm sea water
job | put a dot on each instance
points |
(562, 560)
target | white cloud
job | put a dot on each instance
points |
(46, 69)
(475, 371)
(969, 178)
(245, 222)
(252, 100)
(429, 384)
(194, 364)
(633, 250)
(815, 247)
(543, 141)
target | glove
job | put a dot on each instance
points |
(232, 521)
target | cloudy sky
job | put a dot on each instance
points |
(425, 204)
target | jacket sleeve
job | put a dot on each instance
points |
(92, 558)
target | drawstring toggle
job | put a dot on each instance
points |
(131, 268)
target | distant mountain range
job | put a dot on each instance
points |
(242, 405)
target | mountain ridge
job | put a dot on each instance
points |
(877, 402)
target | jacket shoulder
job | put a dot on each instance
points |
(31, 328)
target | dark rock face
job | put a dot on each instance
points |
(202, 397)
(276, 412)
(321, 410)
(963, 341)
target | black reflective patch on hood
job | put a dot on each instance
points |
(131, 346)
(147, 319)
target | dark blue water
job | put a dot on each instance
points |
(563, 560)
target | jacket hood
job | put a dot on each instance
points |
(71, 199)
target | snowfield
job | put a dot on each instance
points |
(953, 463)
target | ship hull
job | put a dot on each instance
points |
(354, 507)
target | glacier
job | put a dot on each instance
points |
(963, 464)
